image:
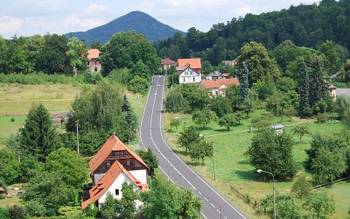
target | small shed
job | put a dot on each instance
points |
(278, 128)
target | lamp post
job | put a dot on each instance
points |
(274, 191)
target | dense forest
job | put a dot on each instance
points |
(305, 25)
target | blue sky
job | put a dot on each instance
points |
(28, 17)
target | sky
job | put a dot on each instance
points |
(29, 17)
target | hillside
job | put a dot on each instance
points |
(305, 25)
(137, 21)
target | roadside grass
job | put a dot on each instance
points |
(234, 174)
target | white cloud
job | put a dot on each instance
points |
(9, 24)
(95, 8)
(81, 23)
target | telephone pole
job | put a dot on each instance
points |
(77, 133)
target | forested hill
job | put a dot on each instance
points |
(305, 25)
(137, 21)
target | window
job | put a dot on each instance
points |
(117, 192)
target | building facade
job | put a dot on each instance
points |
(112, 166)
(218, 87)
(93, 61)
(189, 76)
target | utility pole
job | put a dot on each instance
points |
(273, 191)
(214, 165)
(77, 133)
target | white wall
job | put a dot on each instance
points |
(187, 79)
(140, 175)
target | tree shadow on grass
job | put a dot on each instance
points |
(245, 162)
(181, 152)
(203, 128)
(194, 163)
(247, 175)
(222, 130)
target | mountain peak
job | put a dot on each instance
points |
(137, 21)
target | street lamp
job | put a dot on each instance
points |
(274, 191)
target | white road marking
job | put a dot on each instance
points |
(170, 163)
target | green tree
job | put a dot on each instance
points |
(175, 123)
(98, 111)
(302, 188)
(175, 101)
(327, 166)
(335, 55)
(52, 58)
(150, 159)
(64, 162)
(203, 118)
(221, 106)
(201, 149)
(37, 137)
(347, 71)
(301, 131)
(35, 208)
(129, 124)
(127, 48)
(50, 191)
(108, 209)
(190, 205)
(77, 55)
(9, 166)
(17, 212)
(138, 84)
(258, 61)
(165, 200)
(126, 206)
(342, 107)
(188, 137)
(319, 205)
(273, 153)
(228, 121)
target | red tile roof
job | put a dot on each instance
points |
(168, 61)
(113, 143)
(212, 84)
(93, 54)
(107, 180)
(193, 63)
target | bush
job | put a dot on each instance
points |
(138, 84)
(17, 212)
(118, 76)
(41, 78)
(4, 213)
(35, 208)
(322, 117)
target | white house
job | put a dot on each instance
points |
(112, 166)
(189, 76)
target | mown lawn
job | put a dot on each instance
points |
(233, 171)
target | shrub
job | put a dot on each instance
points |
(4, 213)
(35, 208)
(12, 119)
(17, 212)
(138, 84)
(322, 117)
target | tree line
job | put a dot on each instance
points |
(305, 25)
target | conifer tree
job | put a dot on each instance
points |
(38, 137)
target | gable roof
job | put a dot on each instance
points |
(189, 71)
(113, 143)
(168, 61)
(212, 84)
(192, 62)
(107, 180)
(93, 54)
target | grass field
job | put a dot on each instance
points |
(233, 171)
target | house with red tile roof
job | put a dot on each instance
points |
(189, 76)
(218, 87)
(112, 166)
(93, 60)
(193, 63)
(167, 63)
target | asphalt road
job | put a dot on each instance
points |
(215, 205)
